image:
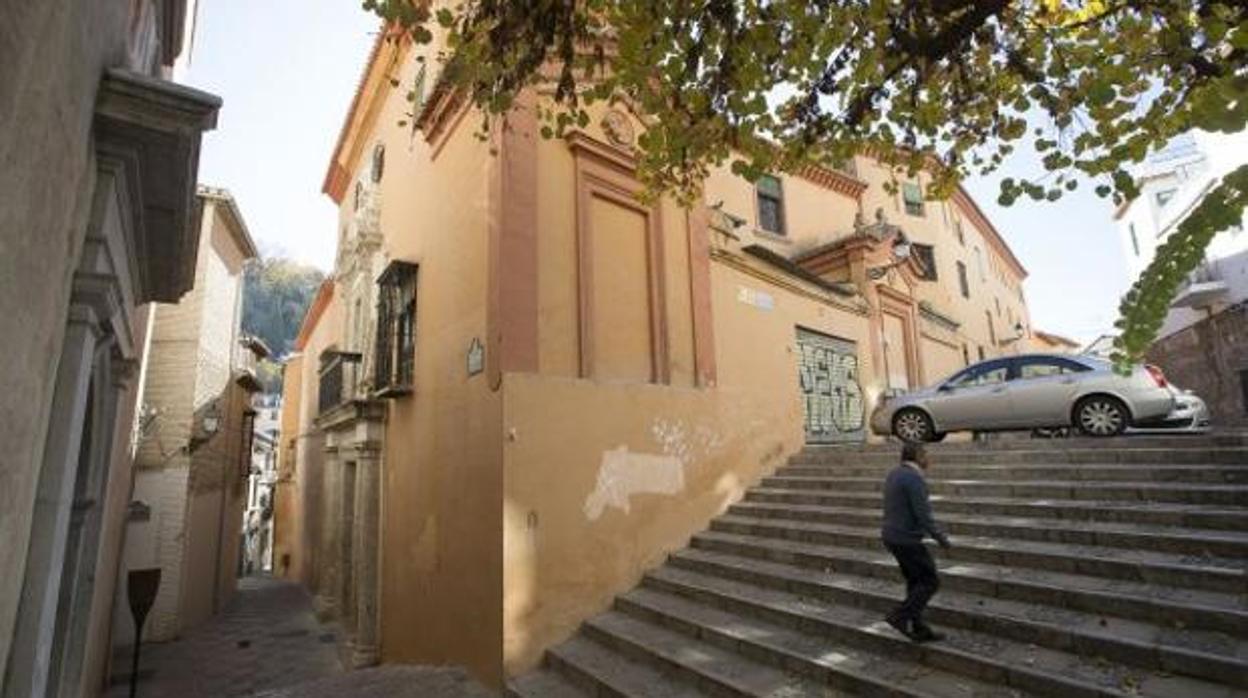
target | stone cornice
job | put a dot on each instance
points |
(150, 131)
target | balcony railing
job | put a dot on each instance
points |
(336, 379)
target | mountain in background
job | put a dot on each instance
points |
(276, 294)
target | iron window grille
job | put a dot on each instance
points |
(395, 359)
(926, 256)
(249, 429)
(330, 388)
(770, 204)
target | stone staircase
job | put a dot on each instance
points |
(1081, 568)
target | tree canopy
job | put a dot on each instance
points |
(276, 296)
(950, 86)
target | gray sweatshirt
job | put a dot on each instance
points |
(907, 511)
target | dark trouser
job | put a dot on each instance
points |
(922, 581)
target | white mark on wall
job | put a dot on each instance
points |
(624, 474)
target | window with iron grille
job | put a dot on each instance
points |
(417, 97)
(396, 330)
(912, 195)
(770, 204)
(926, 256)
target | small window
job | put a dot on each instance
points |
(1135, 241)
(770, 204)
(912, 195)
(992, 330)
(926, 257)
(966, 356)
(966, 289)
(1164, 197)
(417, 97)
(356, 196)
(998, 302)
(981, 353)
(396, 330)
(379, 162)
(979, 264)
(957, 228)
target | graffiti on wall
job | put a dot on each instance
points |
(831, 390)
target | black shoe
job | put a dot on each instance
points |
(902, 626)
(922, 633)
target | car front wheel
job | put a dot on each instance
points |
(913, 425)
(1101, 415)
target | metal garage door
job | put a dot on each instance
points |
(831, 392)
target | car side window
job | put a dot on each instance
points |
(1045, 367)
(988, 374)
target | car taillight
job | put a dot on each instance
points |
(1157, 375)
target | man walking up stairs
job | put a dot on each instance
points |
(907, 521)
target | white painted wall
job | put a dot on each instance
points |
(1174, 181)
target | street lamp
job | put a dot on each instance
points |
(901, 253)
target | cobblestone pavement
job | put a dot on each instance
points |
(267, 638)
(388, 681)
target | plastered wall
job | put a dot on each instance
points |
(53, 54)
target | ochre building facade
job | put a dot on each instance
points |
(523, 386)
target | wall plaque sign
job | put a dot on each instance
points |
(476, 357)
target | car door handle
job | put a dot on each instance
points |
(1068, 381)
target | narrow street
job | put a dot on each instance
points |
(267, 638)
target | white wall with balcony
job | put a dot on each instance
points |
(1173, 181)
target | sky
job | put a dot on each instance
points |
(287, 70)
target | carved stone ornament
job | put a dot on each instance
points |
(619, 128)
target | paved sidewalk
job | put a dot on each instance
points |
(267, 638)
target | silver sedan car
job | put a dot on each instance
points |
(1028, 392)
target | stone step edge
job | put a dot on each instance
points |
(589, 676)
(1171, 658)
(775, 656)
(1180, 535)
(1072, 484)
(598, 630)
(549, 684)
(1222, 579)
(932, 655)
(937, 500)
(1219, 618)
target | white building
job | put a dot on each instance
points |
(258, 517)
(1172, 182)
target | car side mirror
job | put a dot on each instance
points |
(944, 388)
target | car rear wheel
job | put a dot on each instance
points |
(913, 425)
(1101, 415)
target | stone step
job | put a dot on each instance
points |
(690, 666)
(1139, 536)
(1212, 573)
(1163, 514)
(1223, 495)
(1136, 642)
(1199, 474)
(1139, 456)
(544, 683)
(599, 670)
(824, 659)
(1011, 442)
(1179, 607)
(975, 656)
